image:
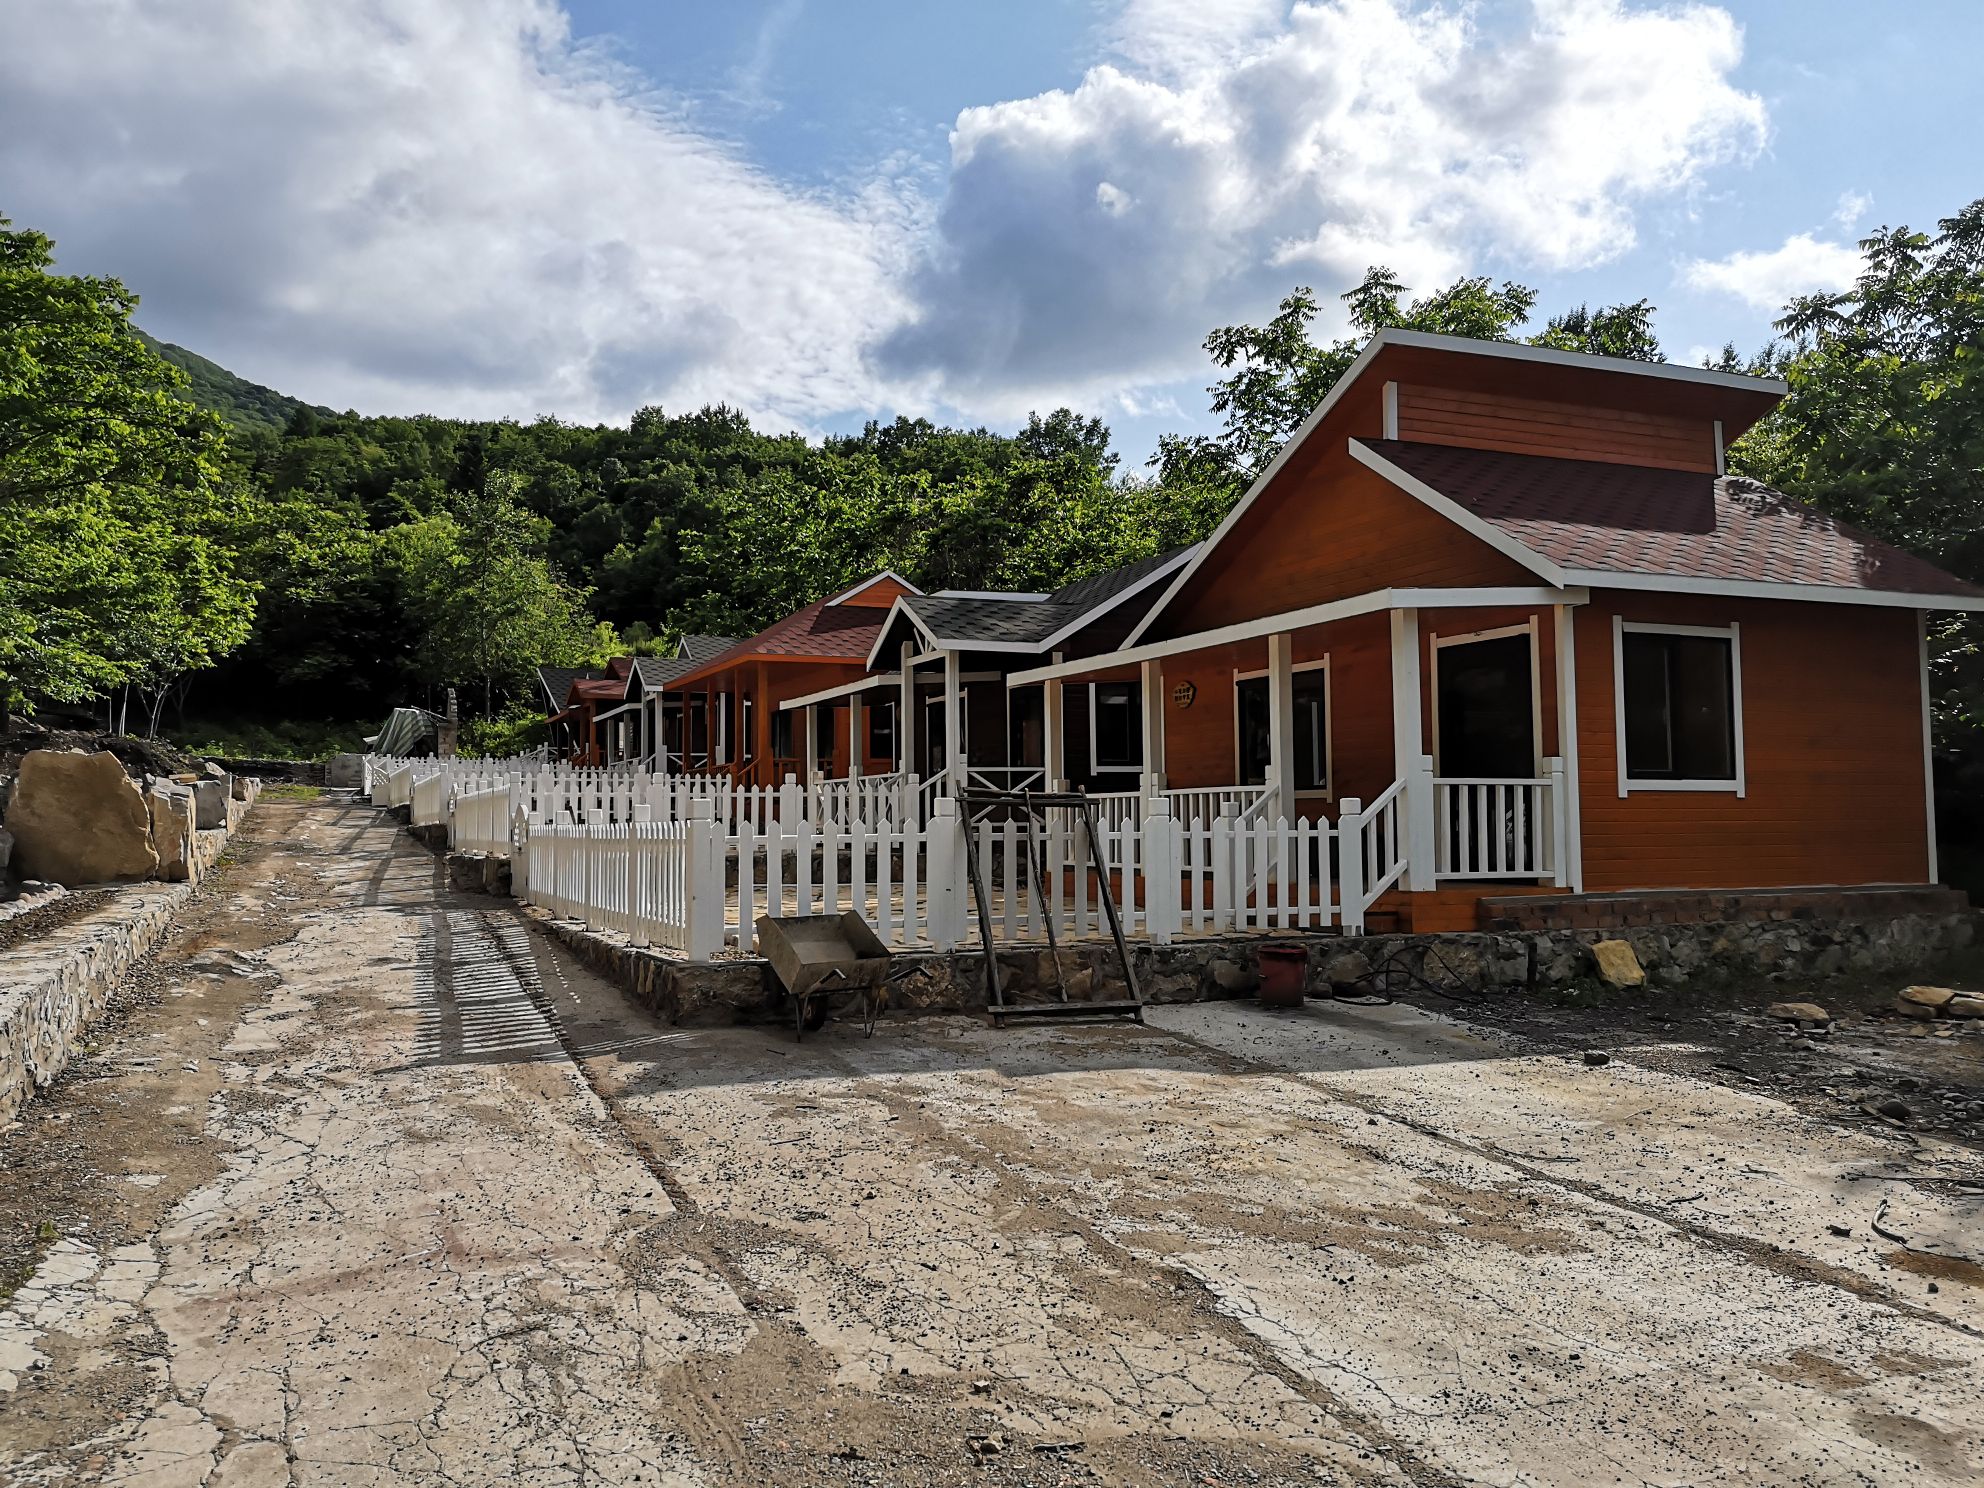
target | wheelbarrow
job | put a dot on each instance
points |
(821, 957)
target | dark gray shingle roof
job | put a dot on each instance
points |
(557, 681)
(700, 648)
(1024, 620)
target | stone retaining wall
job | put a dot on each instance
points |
(742, 989)
(53, 987)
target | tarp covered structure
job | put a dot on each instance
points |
(407, 731)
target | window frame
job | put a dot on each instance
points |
(1327, 790)
(1738, 785)
(1095, 767)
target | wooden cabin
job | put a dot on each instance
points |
(729, 705)
(1518, 586)
(937, 670)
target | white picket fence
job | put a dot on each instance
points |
(699, 884)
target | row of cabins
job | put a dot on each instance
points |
(1516, 584)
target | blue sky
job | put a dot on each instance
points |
(823, 210)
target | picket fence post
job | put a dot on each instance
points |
(947, 892)
(1162, 913)
(705, 889)
(1350, 865)
(1557, 842)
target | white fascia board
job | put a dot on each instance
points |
(598, 717)
(889, 624)
(846, 689)
(1261, 481)
(1597, 578)
(1089, 616)
(1459, 515)
(887, 573)
(1321, 614)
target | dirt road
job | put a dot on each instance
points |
(368, 1184)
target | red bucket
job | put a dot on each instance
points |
(1284, 969)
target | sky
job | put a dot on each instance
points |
(826, 211)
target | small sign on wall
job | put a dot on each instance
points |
(1185, 694)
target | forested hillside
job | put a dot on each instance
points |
(273, 559)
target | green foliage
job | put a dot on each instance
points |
(119, 521)
(240, 403)
(1884, 427)
(518, 729)
(288, 738)
(485, 602)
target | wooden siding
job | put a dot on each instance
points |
(1832, 726)
(1565, 431)
(1339, 530)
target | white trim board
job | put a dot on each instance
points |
(846, 689)
(1598, 578)
(1732, 633)
(888, 573)
(1507, 350)
(1322, 614)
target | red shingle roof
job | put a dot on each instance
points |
(823, 630)
(1633, 519)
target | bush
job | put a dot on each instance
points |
(253, 739)
(518, 729)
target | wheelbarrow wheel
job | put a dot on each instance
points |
(809, 1013)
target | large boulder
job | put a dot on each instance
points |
(78, 819)
(171, 809)
(347, 771)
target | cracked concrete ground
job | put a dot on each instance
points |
(367, 1184)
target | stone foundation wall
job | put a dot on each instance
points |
(742, 989)
(1717, 906)
(53, 987)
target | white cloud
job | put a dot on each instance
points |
(446, 206)
(1264, 145)
(453, 206)
(1768, 280)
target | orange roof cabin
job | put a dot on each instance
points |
(592, 723)
(1514, 594)
(723, 714)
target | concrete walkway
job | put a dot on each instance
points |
(367, 1184)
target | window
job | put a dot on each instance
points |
(882, 730)
(825, 719)
(1680, 707)
(782, 734)
(747, 741)
(698, 729)
(1115, 733)
(1026, 727)
(1311, 688)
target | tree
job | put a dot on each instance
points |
(485, 602)
(1883, 426)
(118, 516)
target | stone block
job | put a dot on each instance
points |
(237, 787)
(1963, 1005)
(1617, 965)
(1923, 1002)
(78, 819)
(6, 849)
(173, 837)
(345, 772)
(210, 800)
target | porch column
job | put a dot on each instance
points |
(1281, 722)
(857, 735)
(661, 735)
(1928, 752)
(811, 722)
(906, 716)
(1153, 720)
(1410, 762)
(1571, 871)
(953, 722)
(1053, 735)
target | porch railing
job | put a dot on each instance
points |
(1499, 829)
